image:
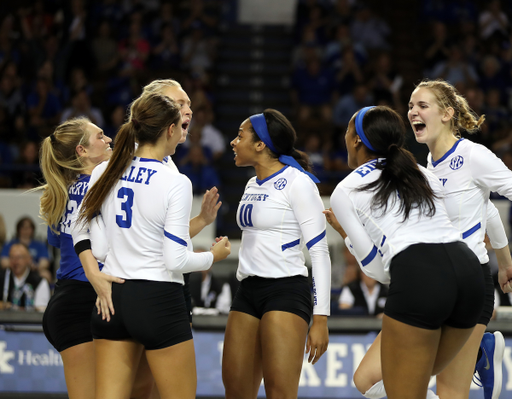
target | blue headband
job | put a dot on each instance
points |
(259, 125)
(359, 127)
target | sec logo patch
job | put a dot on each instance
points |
(280, 184)
(456, 162)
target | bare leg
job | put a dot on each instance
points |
(411, 354)
(79, 370)
(116, 366)
(144, 386)
(174, 370)
(455, 380)
(241, 358)
(369, 371)
(283, 338)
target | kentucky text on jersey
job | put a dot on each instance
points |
(139, 176)
(79, 188)
(255, 197)
(366, 168)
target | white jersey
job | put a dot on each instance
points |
(468, 173)
(278, 216)
(146, 224)
(375, 237)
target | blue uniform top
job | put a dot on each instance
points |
(70, 266)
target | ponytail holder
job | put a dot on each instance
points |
(136, 123)
(52, 138)
(359, 127)
(259, 125)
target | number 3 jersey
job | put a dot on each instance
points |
(278, 216)
(146, 224)
(468, 173)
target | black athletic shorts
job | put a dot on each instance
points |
(67, 318)
(436, 284)
(258, 295)
(150, 312)
(486, 315)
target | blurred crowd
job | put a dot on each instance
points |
(344, 60)
(62, 59)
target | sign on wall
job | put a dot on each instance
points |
(28, 363)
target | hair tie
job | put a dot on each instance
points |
(136, 123)
(52, 138)
(359, 127)
(393, 146)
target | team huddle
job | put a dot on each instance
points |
(121, 312)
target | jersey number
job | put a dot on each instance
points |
(125, 221)
(68, 216)
(246, 215)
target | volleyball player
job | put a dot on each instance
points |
(145, 208)
(468, 172)
(68, 157)
(399, 231)
(280, 212)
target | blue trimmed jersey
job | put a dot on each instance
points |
(145, 222)
(70, 267)
(278, 217)
(374, 236)
(468, 173)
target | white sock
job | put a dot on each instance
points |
(377, 391)
(431, 395)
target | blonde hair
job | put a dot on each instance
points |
(61, 166)
(447, 96)
(152, 114)
(156, 86)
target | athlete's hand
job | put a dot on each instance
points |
(331, 219)
(221, 249)
(505, 279)
(210, 205)
(208, 213)
(318, 338)
(102, 284)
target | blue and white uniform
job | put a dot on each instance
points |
(146, 215)
(468, 173)
(418, 256)
(278, 216)
(375, 237)
(70, 266)
(66, 320)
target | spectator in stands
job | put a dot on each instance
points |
(349, 104)
(437, 48)
(165, 17)
(386, 82)
(350, 72)
(44, 109)
(134, 51)
(201, 15)
(81, 106)
(313, 90)
(493, 22)
(25, 231)
(196, 166)
(369, 30)
(455, 69)
(23, 288)
(117, 117)
(363, 296)
(198, 51)
(209, 291)
(491, 76)
(166, 55)
(29, 174)
(104, 48)
(11, 95)
(210, 136)
(335, 49)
